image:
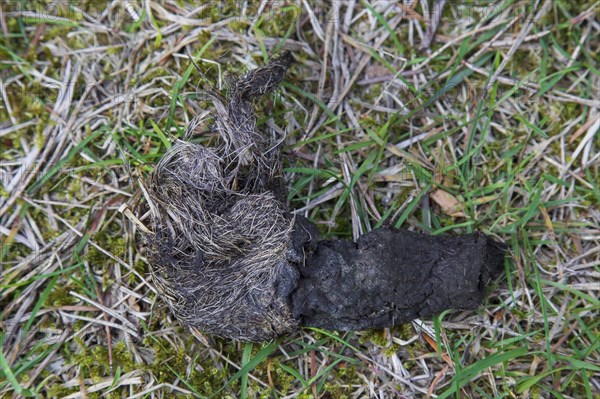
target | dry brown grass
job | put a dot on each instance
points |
(436, 117)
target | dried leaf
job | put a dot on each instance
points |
(449, 204)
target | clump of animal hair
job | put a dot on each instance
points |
(220, 248)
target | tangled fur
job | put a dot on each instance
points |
(220, 250)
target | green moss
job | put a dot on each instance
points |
(95, 361)
(12, 251)
(76, 42)
(276, 22)
(239, 26)
(174, 362)
(123, 358)
(60, 296)
(391, 349)
(139, 266)
(369, 122)
(567, 111)
(336, 391)
(74, 188)
(522, 63)
(374, 336)
(154, 73)
(59, 391)
(118, 246)
(114, 50)
(267, 393)
(222, 10)
(284, 381)
(535, 393)
(115, 244)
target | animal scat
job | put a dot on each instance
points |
(229, 259)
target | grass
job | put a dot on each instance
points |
(469, 117)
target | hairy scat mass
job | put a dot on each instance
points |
(229, 258)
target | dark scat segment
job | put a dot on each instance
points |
(392, 276)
